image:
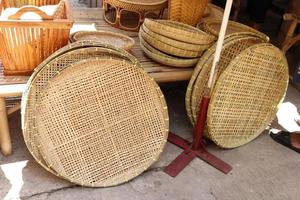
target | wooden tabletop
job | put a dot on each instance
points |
(91, 19)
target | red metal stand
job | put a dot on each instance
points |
(196, 148)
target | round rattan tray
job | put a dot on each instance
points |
(212, 26)
(233, 45)
(247, 95)
(167, 48)
(101, 122)
(165, 59)
(179, 31)
(40, 79)
(105, 37)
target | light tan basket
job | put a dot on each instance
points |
(212, 26)
(247, 95)
(165, 59)
(176, 43)
(102, 122)
(26, 43)
(179, 31)
(213, 12)
(187, 11)
(230, 50)
(164, 47)
(40, 79)
(115, 39)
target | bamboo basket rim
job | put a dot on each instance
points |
(278, 95)
(128, 41)
(30, 91)
(159, 100)
(138, 2)
(166, 48)
(208, 22)
(165, 59)
(175, 43)
(179, 31)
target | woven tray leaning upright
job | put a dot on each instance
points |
(117, 132)
(49, 68)
(247, 95)
(188, 12)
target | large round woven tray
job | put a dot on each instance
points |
(213, 12)
(247, 95)
(213, 26)
(230, 50)
(179, 31)
(167, 48)
(166, 59)
(37, 83)
(101, 122)
(176, 43)
(105, 37)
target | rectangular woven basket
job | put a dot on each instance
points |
(187, 11)
(26, 43)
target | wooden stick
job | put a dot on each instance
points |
(220, 43)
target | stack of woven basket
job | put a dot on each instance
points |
(93, 116)
(173, 43)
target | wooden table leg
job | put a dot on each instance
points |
(5, 142)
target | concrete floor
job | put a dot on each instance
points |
(262, 169)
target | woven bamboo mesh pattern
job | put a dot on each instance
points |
(165, 59)
(189, 12)
(179, 31)
(176, 43)
(102, 122)
(246, 96)
(116, 39)
(213, 26)
(36, 85)
(213, 12)
(169, 49)
(229, 52)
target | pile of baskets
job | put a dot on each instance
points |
(173, 43)
(93, 116)
(251, 81)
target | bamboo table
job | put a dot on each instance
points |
(85, 19)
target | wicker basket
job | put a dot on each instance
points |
(116, 39)
(166, 59)
(167, 48)
(187, 11)
(179, 31)
(26, 43)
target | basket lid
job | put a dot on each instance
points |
(101, 122)
(105, 37)
(247, 95)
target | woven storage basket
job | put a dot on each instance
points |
(102, 122)
(212, 26)
(165, 59)
(26, 43)
(213, 12)
(187, 11)
(169, 49)
(116, 39)
(179, 31)
(247, 95)
(175, 43)
(40, 79)
(230, 50)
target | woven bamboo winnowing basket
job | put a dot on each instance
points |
(25, 43)
(187, 11)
